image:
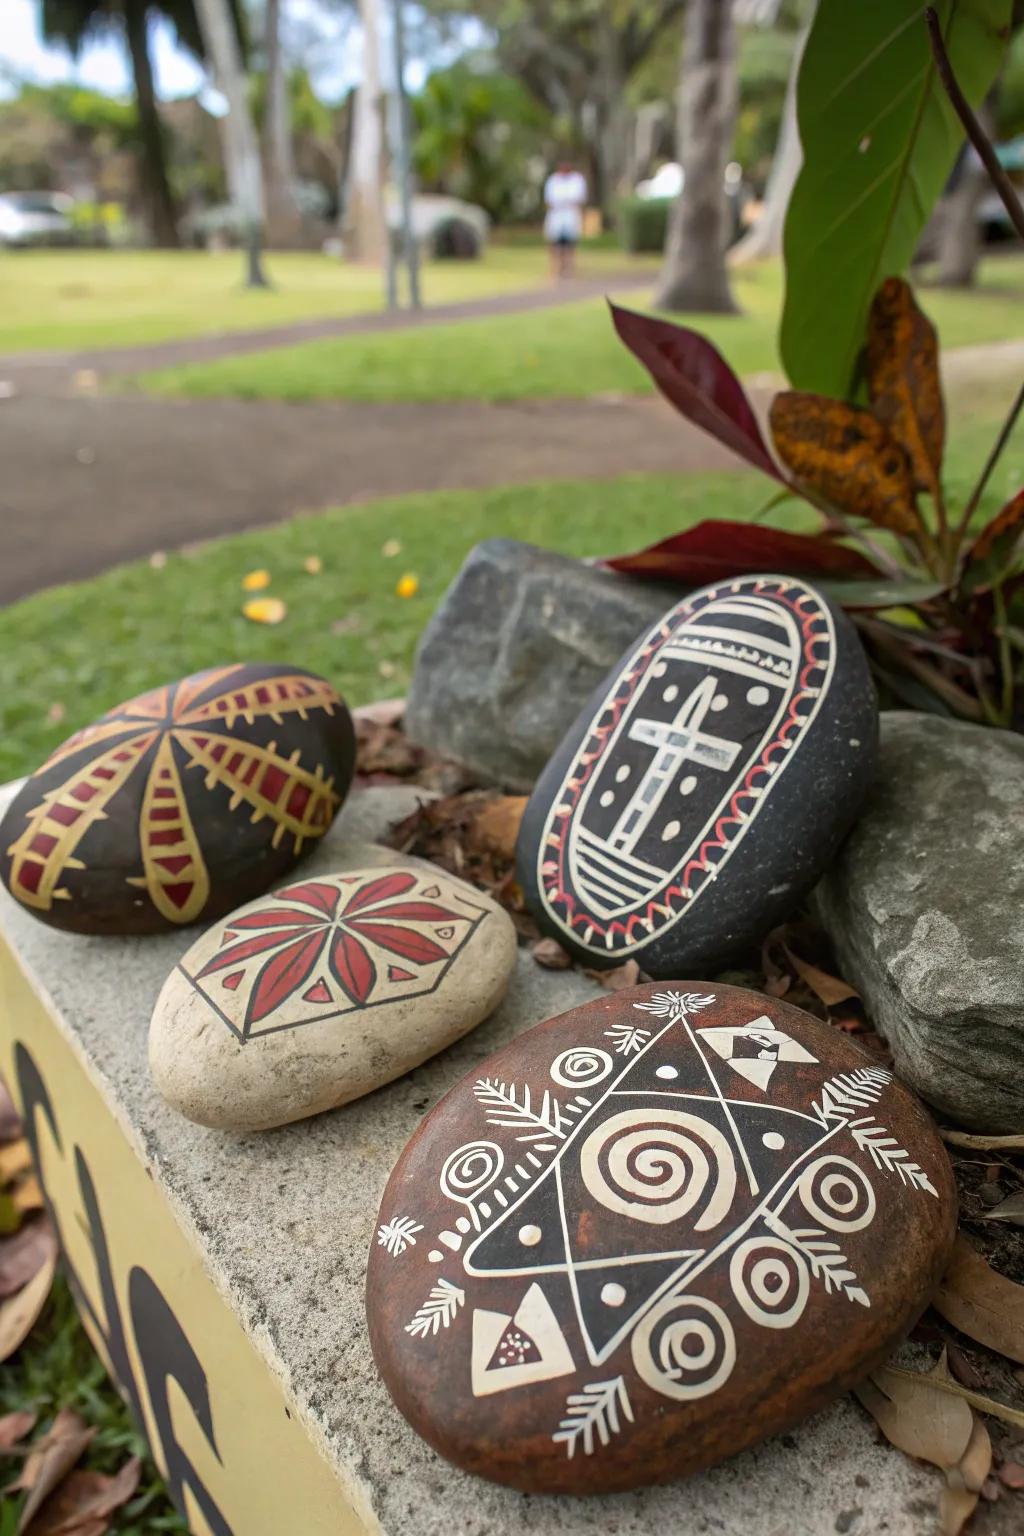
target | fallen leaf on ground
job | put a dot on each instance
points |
(22, 1254)
(983, 1143)
(265, 610)
(382, 712)
(981, 1303)
(386, 668)
(407, 585)
(14, 1427)
(15, 1158)
(917, 1417)
(550, 955)
(618, 978)
(313, 564)
(158, 559)
(1012, 1474)
(49, 1461)
(390, 548)
(1011, 1209)
(84, 1502)
(495, 827)
(18, 1313)
(944, 1382)
(255, 581)
(964, 1482)
(831, 989)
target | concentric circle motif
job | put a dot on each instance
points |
(581, 1067)
(684, 1348)
(836, 1193)
(770, 1281)
(659, 1165)
(471, 1168)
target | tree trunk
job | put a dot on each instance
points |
(241, 146)
(612, 120)
(365, 218)
(765, 238)
(693, 276)
(162, 212)
(284, 218)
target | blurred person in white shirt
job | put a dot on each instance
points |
(565, 197)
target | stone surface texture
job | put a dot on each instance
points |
(325, 989)
(180, 804)
(649, 1233)
(925, 905)
(251, 1203)
(518, 643)
(707, 782)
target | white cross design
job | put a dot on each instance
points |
(678, 741)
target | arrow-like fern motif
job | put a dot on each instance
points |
(508, 1105)
(846, 1093)
(437, 1311)
(886, 1153)
(593, 1415)
(824, 1257)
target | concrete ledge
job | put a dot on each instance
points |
(222, 1278)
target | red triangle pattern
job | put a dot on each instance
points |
(318, 993)
(231, 982)
(396, 973)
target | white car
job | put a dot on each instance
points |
(35, 218)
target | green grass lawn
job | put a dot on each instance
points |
(71, 652)
(72, 299)
(571, 350)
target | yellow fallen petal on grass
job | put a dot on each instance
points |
(264, 610)
(255, 581)
(313, 564)
(390, 548)
(407, 585)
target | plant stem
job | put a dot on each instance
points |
(975, 132)
(1005, 653)
(990, 463)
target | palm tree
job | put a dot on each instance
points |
(75, 22)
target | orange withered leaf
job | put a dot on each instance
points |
(1004, 527)
(902, 366)
(847, 456)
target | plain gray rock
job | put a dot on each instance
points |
(520, 640)
(925, 906)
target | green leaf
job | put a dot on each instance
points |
(863, 596)
(880, 139)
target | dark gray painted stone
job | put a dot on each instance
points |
(707, 783)
(925, 906)
(520, 640)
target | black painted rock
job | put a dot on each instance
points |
(708, 782)
(180, 804)
(648, 1233)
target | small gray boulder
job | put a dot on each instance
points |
(519, 642)
(925, 906)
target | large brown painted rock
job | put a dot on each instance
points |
(324, 990)
(648, 1233)
(180, 804)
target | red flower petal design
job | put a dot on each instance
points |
(237, 954)
(283, 974)
(315, 894)
(400, 941)
(380, 890)
(412, 912)
(278, 917)
(352, 965)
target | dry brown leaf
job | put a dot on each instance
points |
(14, 1427)
(847, 456)
(619, 978)
(976, 1461)
(15, 1158)
(18, 1313)
(495, 827)
(956, 1506)
(23, 1252)
(1011, 1209)
(1011, 1473)
(917, 1417)
(831, 989)
(903, 379)
(981, 1303)
(550, 954)
(976, 1143)
(941, 1379)
(84, 1501)
(49, 1461)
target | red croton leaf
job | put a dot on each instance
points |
(406, 942)
(352, 965)
(376, 891)
(695, 378)
(716, 549)
(283, 974)
(992, 551)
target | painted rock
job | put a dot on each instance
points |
(707, 783)
(648, 1233)
(181, 803)
(324, 990)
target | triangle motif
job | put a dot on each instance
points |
(318, 992)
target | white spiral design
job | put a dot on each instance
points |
(657, 1165)
(471, 1169)
(581, 1067)
(770, 1281)
(837, 1194)
(684, 1348)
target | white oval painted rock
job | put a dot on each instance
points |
(325, 989)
